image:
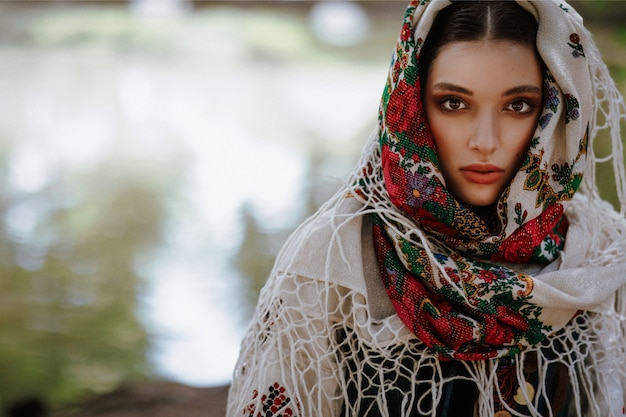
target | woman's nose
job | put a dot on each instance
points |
(485, 137)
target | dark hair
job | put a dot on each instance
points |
(473, 21)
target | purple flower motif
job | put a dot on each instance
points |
(545, 120)
(418, 189)
(551, 98)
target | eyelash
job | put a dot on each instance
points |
(529, 106)
(445, 102)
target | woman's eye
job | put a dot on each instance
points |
(520, 106)
(452, 104)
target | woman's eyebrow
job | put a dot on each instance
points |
(523, 89)
(446, 86)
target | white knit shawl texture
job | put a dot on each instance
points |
(324, 324)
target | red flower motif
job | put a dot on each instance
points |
(520, 246)
(273, 403)
(440, 196)
(496, 334)
(574, 38)
(405, 32)
(453, 275)
(487, 276)
(499, 329)
(395, 179)
(401, 114)
(454, 331)
(512, 318)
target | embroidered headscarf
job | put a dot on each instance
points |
(325, 340)
(448, 283)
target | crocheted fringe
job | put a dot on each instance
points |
(313, 348)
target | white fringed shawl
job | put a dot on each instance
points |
(324, 323)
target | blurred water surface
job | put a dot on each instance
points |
(153, 160)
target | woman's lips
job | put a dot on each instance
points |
(482, 173)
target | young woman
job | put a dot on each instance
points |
(469, 267)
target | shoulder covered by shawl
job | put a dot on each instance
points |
(328, 247)
(596, 249)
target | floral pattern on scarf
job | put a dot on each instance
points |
(464, 306)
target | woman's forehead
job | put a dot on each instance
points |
(486, 64)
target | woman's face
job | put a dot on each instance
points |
(482, 100)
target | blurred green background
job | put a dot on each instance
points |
(154, 154)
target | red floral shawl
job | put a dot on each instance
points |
(442, 272)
